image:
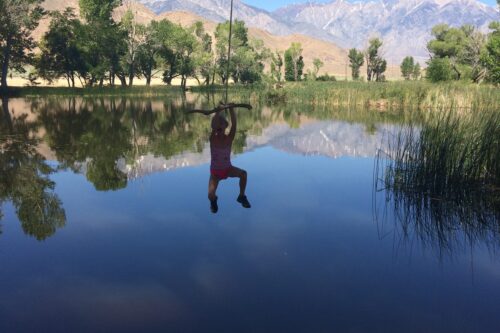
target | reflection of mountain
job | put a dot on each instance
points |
(327, 138)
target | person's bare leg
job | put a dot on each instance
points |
(213, 182)
(242, 175)
(235, 172)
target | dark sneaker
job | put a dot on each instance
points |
(213, 206)
(242, 199)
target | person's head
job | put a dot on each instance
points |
(219, 123)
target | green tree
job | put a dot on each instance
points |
(300, 67)
(439, 69)
(135, 37)
(490, 57)
(407, 67)
(98, 10)
(375, 64)
(416, 72)
(317, 63)
(294, 62)
(177, 47)
(17, 20)
(239, 40)
(462, 47)
(471, 55)
(102, 42)
(203, 58)
(247, 56)
(250, 64)
(276, 66)
(148, 54)
(356, 60)
(60, 55)
(289, 67)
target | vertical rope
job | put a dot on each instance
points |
(229, 47)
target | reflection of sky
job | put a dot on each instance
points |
(306, 257)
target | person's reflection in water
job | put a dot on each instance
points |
(220, 166)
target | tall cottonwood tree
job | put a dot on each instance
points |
(276, 66)
(375, 64)
(294, 62)
(407, 67)
(60, 55)
(102, 40)
(135, 37)
(18, 18)
(490, 57)
(356, 60)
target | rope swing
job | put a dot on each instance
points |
(225, 105)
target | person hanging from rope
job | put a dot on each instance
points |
(220, 165)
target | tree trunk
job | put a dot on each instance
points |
(148, 80)
(131, 76)
(123, 80)
(5, 63)
(295, 71)
(456, 71)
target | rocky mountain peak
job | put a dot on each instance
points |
(403, 25)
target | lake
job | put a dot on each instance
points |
(106, 227)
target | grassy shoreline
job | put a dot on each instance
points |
(408, 95)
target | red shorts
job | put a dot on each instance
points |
(220, 174)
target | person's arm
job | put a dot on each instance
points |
(232, 132)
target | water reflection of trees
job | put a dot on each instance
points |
(24, 177)
(100, 136)
(95, 135)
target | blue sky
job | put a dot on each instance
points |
(273, 4)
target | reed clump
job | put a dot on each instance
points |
(442, 177)
(448, 153)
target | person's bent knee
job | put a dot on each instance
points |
(243, 174)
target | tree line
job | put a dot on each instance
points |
(97, 50)
(456, 53)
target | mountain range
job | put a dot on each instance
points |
(403, 25)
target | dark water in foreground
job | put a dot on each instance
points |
(105, 227)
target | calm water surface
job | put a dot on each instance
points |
(105, 227)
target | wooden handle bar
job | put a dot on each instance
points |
(220, 108)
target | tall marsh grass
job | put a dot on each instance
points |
(449, 152)
(443, 178)
(394, 95)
